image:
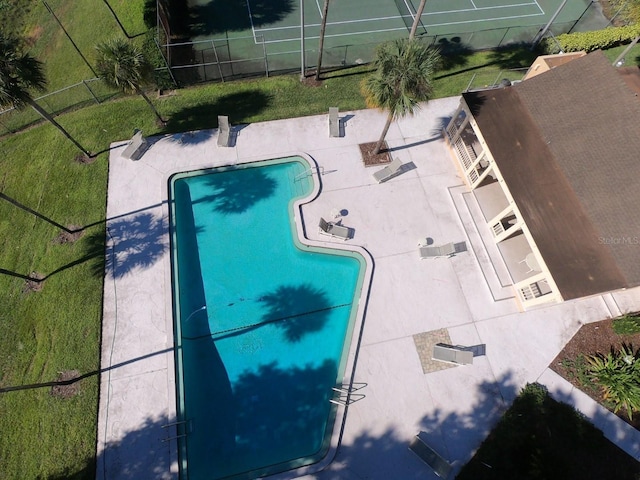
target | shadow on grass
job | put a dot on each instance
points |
(511, 57)
(237, 106)
(135, 243)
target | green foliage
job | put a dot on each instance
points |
(12, 15)
(19, 73)
(161, 76)
(122, 65)
(402, 77)
(618, 375)
(590, 41)
(578, 369)
(541, 439)
(627, 325)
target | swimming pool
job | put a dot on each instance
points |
(262, 323)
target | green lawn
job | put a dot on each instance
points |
(58, 328)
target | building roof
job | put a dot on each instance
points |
(544, 63)
(567, 143)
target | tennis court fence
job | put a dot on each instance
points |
(221, 59)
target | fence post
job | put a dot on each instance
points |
(90, 91)
(155, 40)
(266, 60)
(215, 54)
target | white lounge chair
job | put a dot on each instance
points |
(390, 171)
(334, 122)
(224, 131)
(136, 147)
(428, 455)
(334, 230)
(441, 251)
(451, 354)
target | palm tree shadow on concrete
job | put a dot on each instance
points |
(133, 243)
(454, 435)
(140, 453)
(187, 138)
(451, 434)
(238, 192)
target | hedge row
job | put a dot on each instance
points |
(589, 41)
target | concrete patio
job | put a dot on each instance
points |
(466, 297)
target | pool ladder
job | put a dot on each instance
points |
(344, 394)
(186, 423)
(309, 171)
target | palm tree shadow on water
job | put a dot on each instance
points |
(297, 310)
(237, 192)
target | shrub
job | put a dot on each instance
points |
(618, 375)
(627, 325)
(594, 40)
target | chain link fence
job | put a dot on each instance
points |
(225, 59)
(83, 93)
(230, 58)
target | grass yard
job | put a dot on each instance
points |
(57, 329)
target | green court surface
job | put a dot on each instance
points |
(265, 35)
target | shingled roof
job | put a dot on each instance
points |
(567, 143)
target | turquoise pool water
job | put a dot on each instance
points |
(262, 324)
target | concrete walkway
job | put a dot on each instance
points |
(410, 300)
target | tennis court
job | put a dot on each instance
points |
(266, 35)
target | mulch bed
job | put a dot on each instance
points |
(591, 339)
(66, 391)
(310, 81)
(369, 159)
(83, 159)
(71, 235)
(34, 285)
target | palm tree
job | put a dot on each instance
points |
(416, 20)
(122, 65)
(323, 27)
(19, 74)
(402, 79)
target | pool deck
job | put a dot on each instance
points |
(412, 302)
